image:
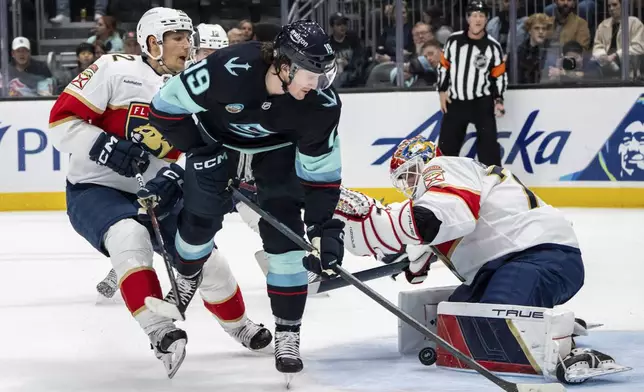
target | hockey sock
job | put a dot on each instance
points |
(287, 285)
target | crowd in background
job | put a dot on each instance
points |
(557, 42)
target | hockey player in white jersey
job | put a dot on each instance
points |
(101, 119)
(210, 38)
(516, 256)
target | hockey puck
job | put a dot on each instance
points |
(427, 356)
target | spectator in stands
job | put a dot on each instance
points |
(607, 49)
(131, 46)
(266, 32)
(63, 11)
(27, 77)
(106, 33)
(568, 26)
(532, 53)
(586, 10)
(421, 34)
(386, 45)
(421, 70)
(100, 49)
(84, 58)
(499, 26)
(571, 67)
(246, 28)
(235, 36)
(348, 52)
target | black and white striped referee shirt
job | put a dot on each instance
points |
(472, 68)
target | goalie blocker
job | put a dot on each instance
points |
(502, 338)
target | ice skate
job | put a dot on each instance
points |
(287, 351)
(252, 336)
(167, 307)
(169, 345)
(109, 285)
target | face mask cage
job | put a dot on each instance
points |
(408, 178)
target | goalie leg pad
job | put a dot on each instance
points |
(130, 248)
(505, 338)
(220, 292)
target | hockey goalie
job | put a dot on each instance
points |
(516, 256)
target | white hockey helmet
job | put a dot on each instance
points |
(211, 36)
(158, 21)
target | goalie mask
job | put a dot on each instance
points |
(408, 164)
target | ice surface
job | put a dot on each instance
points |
(56, 339)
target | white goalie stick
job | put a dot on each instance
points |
(344, 274)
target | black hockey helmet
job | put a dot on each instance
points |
(307, 46)
(478, 6)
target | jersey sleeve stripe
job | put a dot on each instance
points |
(470, 198)
(62, 121)
(498, 70)
(324, 168)
(84, 101)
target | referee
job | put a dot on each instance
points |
(471, 83)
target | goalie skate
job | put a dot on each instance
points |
(169, 345)
(251, 335)
(584, 363)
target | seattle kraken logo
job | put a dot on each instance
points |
(250, 130)
(231, 65)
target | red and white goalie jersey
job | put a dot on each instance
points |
(484, 213)
(112, 95)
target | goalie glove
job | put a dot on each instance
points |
(420, 259)
(372, 229)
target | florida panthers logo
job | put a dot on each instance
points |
(138, 129)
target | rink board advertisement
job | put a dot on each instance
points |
(574, 147)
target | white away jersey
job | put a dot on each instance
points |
(486, 213)
(113, 96)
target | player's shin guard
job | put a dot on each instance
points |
(130, 249)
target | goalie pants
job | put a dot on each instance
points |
(544, 276)
(207, 200)
(460, 114)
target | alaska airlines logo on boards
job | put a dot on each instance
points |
(550, 144)
(621, 158)
(26, 146)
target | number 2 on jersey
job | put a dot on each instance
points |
(533, 202)
(200, 81)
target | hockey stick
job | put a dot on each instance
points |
(153, 303)
(395, 267)
(382, 301)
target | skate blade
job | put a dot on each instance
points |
(288, 379)
(581, 375)
(102, 301)
(553, 387)
(163, 308)
(172, 362)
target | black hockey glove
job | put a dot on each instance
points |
(163, 192)
(328, 239)
(119, 155)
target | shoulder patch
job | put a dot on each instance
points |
(80, 81)
(433, 175)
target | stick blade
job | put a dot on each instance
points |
(552, 387)
(163, 308)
